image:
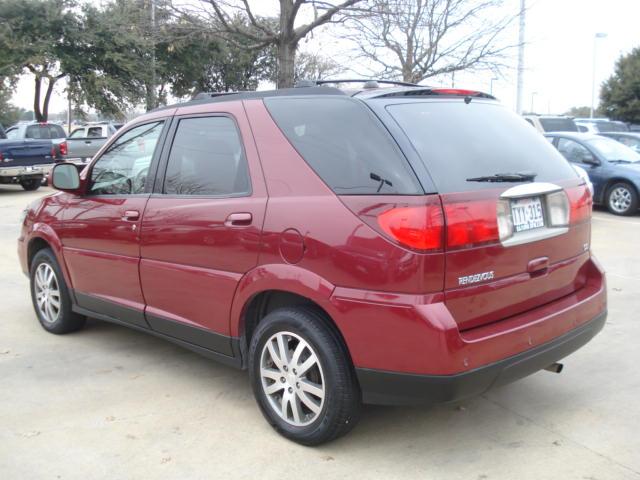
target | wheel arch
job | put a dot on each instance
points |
(269, 287)
(43, 236)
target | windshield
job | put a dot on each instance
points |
(460, 142)
(613, 150)
(558, 125)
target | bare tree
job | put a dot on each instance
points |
(280, 32)
(417, 39)
(311, 66)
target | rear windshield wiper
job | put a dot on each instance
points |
(377, 178)
(620, 161)
(505, 177)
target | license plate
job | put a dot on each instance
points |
(527, 214)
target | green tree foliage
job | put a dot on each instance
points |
(620, 94)
(38, 37)
(9, 114)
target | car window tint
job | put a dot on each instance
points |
(573, 151)
(458, 141)
(77, 133)
(37, 132)
(56, 131)
(124, 167)
(94, 132)
(345, 144)
(206, 158)
(558, 125)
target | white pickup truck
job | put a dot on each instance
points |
(85, 141)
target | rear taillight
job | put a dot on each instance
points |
(417, 227)
(63, 148)
(558, 209)
(53, 151)
(1, 157)
(471, 223)
(580, 202)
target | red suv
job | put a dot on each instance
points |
(391, 245)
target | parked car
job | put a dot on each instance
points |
(26, 156)
(395, 245)
(31, 130)
(630, 139)
(551, 123)
(599, 125)
(85, 141)
(614, 169)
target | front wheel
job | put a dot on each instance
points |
(622, 199)
(302, 377)
(50, 295)
(31, 184)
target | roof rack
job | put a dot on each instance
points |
(368, 83)
(203, 95)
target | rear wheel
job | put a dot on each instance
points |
(31, 184)
(302, 378)
(622, 199)
(50, 295)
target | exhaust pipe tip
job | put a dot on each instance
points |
(555, 367)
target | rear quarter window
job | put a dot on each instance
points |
(345, 144)
(458, 141)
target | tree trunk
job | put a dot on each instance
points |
(36, 100)
(47, 98)
(286, 62)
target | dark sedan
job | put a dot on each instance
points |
(630, 139)
(614, 168)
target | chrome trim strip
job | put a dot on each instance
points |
(534, 235)
(530, 190)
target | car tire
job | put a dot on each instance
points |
(622, 199)
(50, 295)
(31, 184)
(325, 395)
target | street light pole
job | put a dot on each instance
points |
(533, 96)
(491, 85)
(593, 71)
(520, 81)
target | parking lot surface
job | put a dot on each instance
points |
(109, 402)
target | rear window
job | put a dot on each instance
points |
(558, 125)
(345, 144)
(45, 131)
(458, 141)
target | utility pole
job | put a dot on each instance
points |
(520, 58)
(153, 55)
(593, 71)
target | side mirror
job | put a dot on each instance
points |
(65, 177)
(589, 159)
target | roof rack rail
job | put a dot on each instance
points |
(368, 83)
(203, 95)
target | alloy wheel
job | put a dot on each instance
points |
(292, 378)
(47, 292)
(620, 199)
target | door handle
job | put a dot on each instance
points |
(238, 220)
(88, 142)
(131, 215)
(538, 266)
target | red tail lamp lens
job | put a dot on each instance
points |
(415, 227)
(63, 148)
(471, 223)
(580, 201)
(455, 91)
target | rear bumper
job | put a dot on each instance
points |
(15, 174)
(393, 388)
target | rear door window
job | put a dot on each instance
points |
(207, 158)
(573, 151)
(459, 141)
(345, 144)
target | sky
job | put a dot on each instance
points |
(559, 54)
